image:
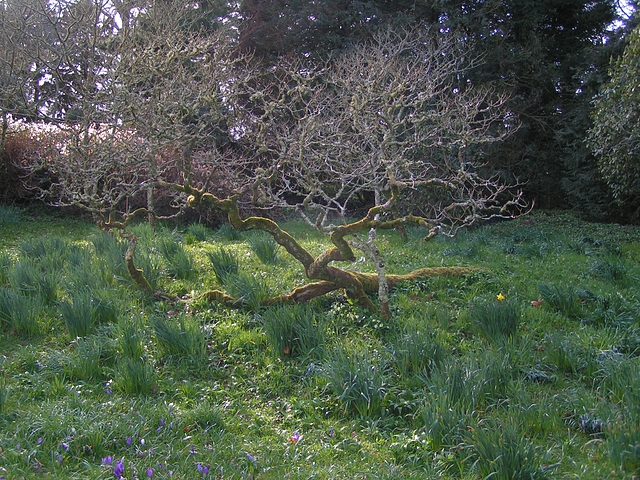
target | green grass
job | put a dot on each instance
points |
(99, 379)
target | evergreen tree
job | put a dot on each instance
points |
(615, 136)
(544, 54)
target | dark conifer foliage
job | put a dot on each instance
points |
(546, 55)
(272, 28)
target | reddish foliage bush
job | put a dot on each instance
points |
(18, 150)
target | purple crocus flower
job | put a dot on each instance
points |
(150, 472)
(129, 442)
(118, 471)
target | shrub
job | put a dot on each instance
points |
(358, 380)
(181, 338)
(497, 319)
(224, 263)
(20, 148)
(293, 331)
(265, 248)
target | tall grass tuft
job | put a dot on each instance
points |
(417, 351)
(11, 215)
(249, 290)
(293, 331)
(199, 231)
(478, 383)
(84, 363)
(359, 381)
(502, 452)
(561, 298)
(20, 312)
(566, 354)
(496, 320)
(180, 263)
(621, 382)
(94, 276)
(228, 233)
(4, 394)
(55, 249)
(79, 313)
(5, 266)
(134, 376)
(150, 265)
(111, 252)
(265, 248)
(130, 334)
(224, 263)
(205, 417)
(183, 338)
(444, 420)
(27, 278)
(611, 269)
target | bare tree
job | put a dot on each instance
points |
(149, 103)
(182, 111)
(391, 116)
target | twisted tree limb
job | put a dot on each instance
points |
(357, 285)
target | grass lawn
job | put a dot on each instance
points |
(527, 369)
